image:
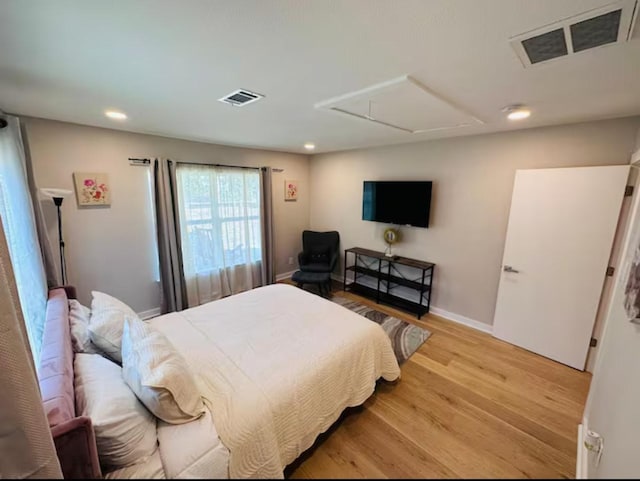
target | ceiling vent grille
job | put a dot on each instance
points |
(596, 31)
(546, 46)
(241, 97)
(606, 25)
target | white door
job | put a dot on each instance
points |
(561, 228)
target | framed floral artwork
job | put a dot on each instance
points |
(290, 190)
(92, 188)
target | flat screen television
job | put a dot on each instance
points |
(397, 202)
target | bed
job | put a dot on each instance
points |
(275, 367)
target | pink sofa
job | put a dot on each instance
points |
(73, 435)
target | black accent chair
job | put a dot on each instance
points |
(319, 251)
(317, 260)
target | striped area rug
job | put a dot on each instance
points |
(406, 338)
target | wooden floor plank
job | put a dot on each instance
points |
(467, 405)
(561, 423)
(511, 417)
(482, 424)
(398, 457)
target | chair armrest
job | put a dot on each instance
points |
(76, 447)
(302, 258)
(333, 261)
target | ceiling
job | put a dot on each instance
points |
(165, 63)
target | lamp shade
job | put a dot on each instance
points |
(53, 192)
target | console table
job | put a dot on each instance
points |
(388, 274)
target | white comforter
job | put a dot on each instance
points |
(277, 366)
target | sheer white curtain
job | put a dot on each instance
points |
(220, 230)
(26, 446)
(16, 211)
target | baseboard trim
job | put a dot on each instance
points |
(144, 315)
(450, 316)
(466, 321)
(284, 275)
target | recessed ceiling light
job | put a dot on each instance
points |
(517, 112)
(309, 146)
(113, 114)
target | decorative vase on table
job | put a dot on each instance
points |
(391, 236)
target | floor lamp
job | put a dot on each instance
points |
(57, 195)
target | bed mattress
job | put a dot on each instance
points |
(276, 366)
(193, 450)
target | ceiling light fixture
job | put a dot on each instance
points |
(309, 146)
(517, 112)
(115, 115)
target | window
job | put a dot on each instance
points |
(16, 211)
(219, 211)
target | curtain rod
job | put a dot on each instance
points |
(223, 165)
(216, 165)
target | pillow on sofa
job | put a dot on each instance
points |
(151, 468)
(79, 316)
(106, 323)
(125, 430)
(158, 374)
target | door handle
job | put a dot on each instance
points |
(510, 269)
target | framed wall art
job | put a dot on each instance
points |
(290, 190)
(92, 188)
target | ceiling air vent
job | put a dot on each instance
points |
(546, 46)
(241, 97)
(606, 25)
(596, 31)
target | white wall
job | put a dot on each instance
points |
(612, 408)
(112, 248)
(473, 181)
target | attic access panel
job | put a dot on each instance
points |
(610, 24)
(403, 104)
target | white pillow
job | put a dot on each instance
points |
(158, 374)
(79, 326)
(125, 431)
(151, 468)
(107, 320)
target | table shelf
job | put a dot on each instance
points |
(387, 274)
(388, 277)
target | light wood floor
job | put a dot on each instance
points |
(467, 405)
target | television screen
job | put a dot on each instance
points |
(397, 202)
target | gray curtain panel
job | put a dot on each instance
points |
(53, 278)
(172, 285)
(268, 262)
(172, 279)
(27, 446)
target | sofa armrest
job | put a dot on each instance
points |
(70, 291)
(75, 444)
